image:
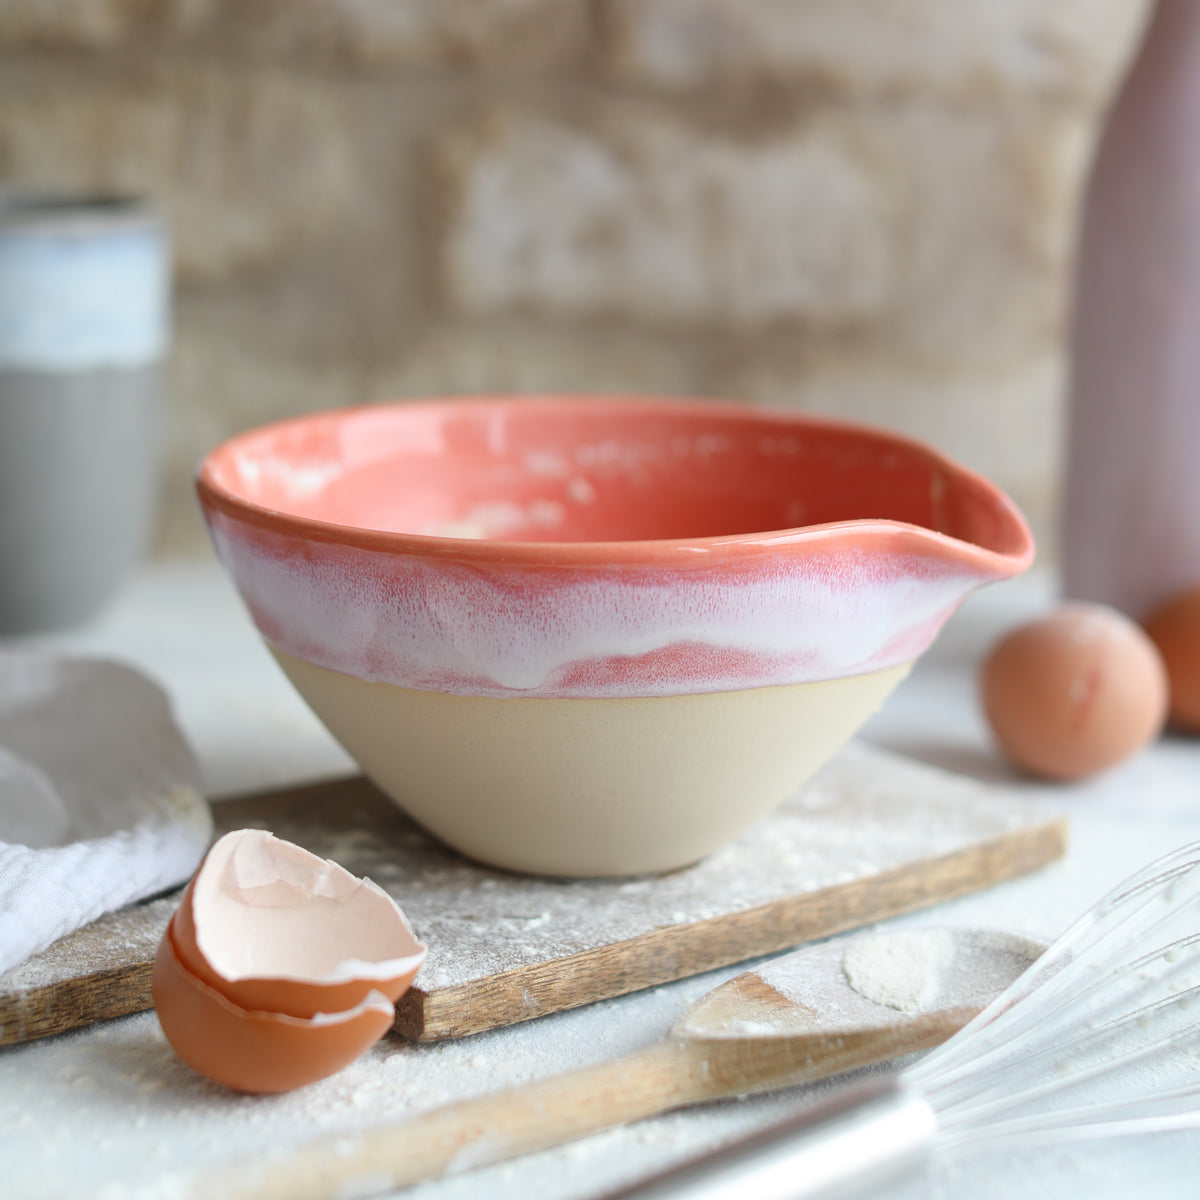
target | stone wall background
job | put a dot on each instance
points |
(857, 207)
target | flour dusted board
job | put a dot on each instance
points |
(872, 836)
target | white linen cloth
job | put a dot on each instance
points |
(99, 798)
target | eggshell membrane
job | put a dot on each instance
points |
(256, 1051)
(1075, 692)
(1174, 627)
(275, 928)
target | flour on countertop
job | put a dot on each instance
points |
(867, 812)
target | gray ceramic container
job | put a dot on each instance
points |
(84, 316)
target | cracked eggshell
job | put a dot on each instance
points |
(279, 967)
(257, 1051)
(272, 927)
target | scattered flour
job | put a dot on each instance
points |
(920, 970)
(904, 970)
(866, 813)
(874, 979)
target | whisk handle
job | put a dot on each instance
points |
(863, 1137)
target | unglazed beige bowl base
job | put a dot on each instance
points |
(581, 787)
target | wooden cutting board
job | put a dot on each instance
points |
(872, 836)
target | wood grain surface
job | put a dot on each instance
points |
(872, 836)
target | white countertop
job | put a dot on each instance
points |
(110, 1103)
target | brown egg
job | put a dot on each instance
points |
(279, 967)
(1075, 692)
(1175, 630)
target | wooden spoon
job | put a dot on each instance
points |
(791, 1020)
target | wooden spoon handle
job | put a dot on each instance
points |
(469, 1134)
(549, 1112)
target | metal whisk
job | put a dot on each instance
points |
(1100, 1037)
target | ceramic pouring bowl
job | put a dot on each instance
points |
(596, 635)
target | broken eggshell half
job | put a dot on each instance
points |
(279, 967)
(255, 1051)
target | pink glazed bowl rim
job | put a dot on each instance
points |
(1002, 562)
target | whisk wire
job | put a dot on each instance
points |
(1094, 1010)
(1071, 1070)
(958, 1091)
(1109, 1016)
(1083, 1123)
(1054, 978)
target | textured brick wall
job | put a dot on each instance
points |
(861, 207)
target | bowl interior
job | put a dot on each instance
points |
(599, 470)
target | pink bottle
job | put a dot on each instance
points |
(1132, 505)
